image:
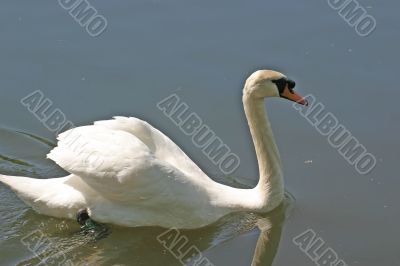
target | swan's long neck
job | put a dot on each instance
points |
(270, 184)
(269, 191)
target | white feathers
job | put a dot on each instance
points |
(125, 172)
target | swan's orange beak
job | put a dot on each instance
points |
(290, 94)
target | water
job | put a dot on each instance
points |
(203, 50)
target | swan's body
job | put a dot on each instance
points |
(126, 172)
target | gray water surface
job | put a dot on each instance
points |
(203, 51)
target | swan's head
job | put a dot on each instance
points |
(269, 83)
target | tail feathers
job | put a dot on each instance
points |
(46, 196)
(24, 187)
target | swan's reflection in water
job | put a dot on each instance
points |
(270, 235)
(239, 239)
(258, 245)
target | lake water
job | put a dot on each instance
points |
(203, 51)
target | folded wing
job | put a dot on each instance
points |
(124, 159)
(161, 145)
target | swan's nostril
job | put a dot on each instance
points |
(291, 83)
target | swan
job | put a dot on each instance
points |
(125, 172)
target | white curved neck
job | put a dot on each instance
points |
(270, 184)
(267, 153)
(269, 191)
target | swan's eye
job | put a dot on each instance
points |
(281, 84)
(291, 84)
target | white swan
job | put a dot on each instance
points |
(126, 172)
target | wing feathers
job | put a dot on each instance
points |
(115, 156)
